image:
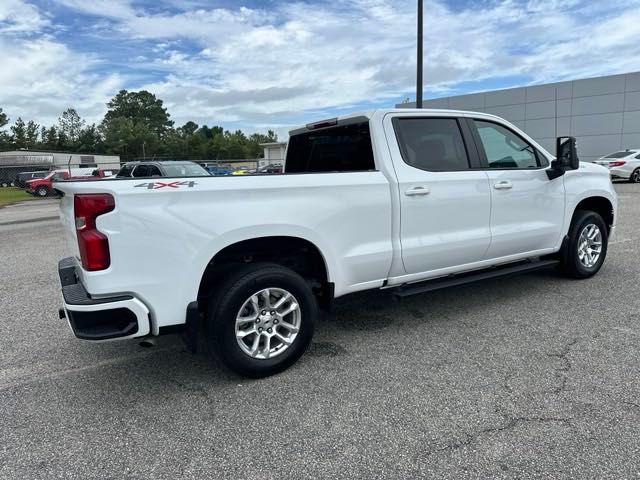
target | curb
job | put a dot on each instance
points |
(30, 220)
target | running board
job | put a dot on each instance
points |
(464, 278)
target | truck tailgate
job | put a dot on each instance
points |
(68, 223)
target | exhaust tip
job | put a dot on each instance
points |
(147, 343)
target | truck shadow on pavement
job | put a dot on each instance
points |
(363, 315)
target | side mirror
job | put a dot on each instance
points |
(566, 157)
(566, 152)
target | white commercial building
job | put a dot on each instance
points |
(274, 152)
(53, 160)
(603, 113)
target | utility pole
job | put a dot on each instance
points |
(144, 155)
(419, 72)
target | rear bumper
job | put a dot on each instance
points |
(619, 173)
(104, 318)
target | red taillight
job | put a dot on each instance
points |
(617, 163)
(93, 245)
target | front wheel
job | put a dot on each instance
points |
(42, 191)
(586, 248)
(635, 176)
(261, 320)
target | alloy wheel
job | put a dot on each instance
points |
(590, 245)
(268, 323)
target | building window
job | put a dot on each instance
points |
(87, 161)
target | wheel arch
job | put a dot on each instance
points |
(599, 204)
(295, 252)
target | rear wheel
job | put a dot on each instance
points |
(261, 320)
(586, 247)
(42, 191)
(635, 176)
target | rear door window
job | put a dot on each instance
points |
(344, 148)
(432, 144)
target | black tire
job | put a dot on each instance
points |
(230, 297)
(570, 263)
(635, 176)
(42, 191)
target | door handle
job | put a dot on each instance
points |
(503, 185)
(416, 191)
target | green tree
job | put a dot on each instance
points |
(142, 108)
(189, 128)
(43, 136)
(135, 119)
(5, 138)
(126, 138)
(90, 140)
(31, 133)
(19, 134)
(3, 118)
(70, 126)
(49, 138)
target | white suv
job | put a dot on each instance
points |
(624, 164)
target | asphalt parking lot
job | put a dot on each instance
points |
(533, 376)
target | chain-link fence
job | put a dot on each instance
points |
(16, 175)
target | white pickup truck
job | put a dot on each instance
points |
(408, 200)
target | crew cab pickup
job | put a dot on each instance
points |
(403, 199)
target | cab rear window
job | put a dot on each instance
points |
(343, 148)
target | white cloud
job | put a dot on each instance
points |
(40, 78)
(17, 16)
(117, 9)
(297, 59)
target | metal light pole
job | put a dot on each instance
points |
(144, 154)
(419, 72)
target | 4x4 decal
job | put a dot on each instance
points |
(158, 185)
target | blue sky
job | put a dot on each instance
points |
(256, 64)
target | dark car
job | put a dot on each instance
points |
(22, 177)
(273, 168)
(162, 169)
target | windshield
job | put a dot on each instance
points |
(619, 154)
(185, 170)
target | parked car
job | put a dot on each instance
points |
(406, 200)
(624, 164)
(22, 177)
(169, 168)
(42, 187)
(218, 171)
(273, 168)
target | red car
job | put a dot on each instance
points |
(42, 187)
